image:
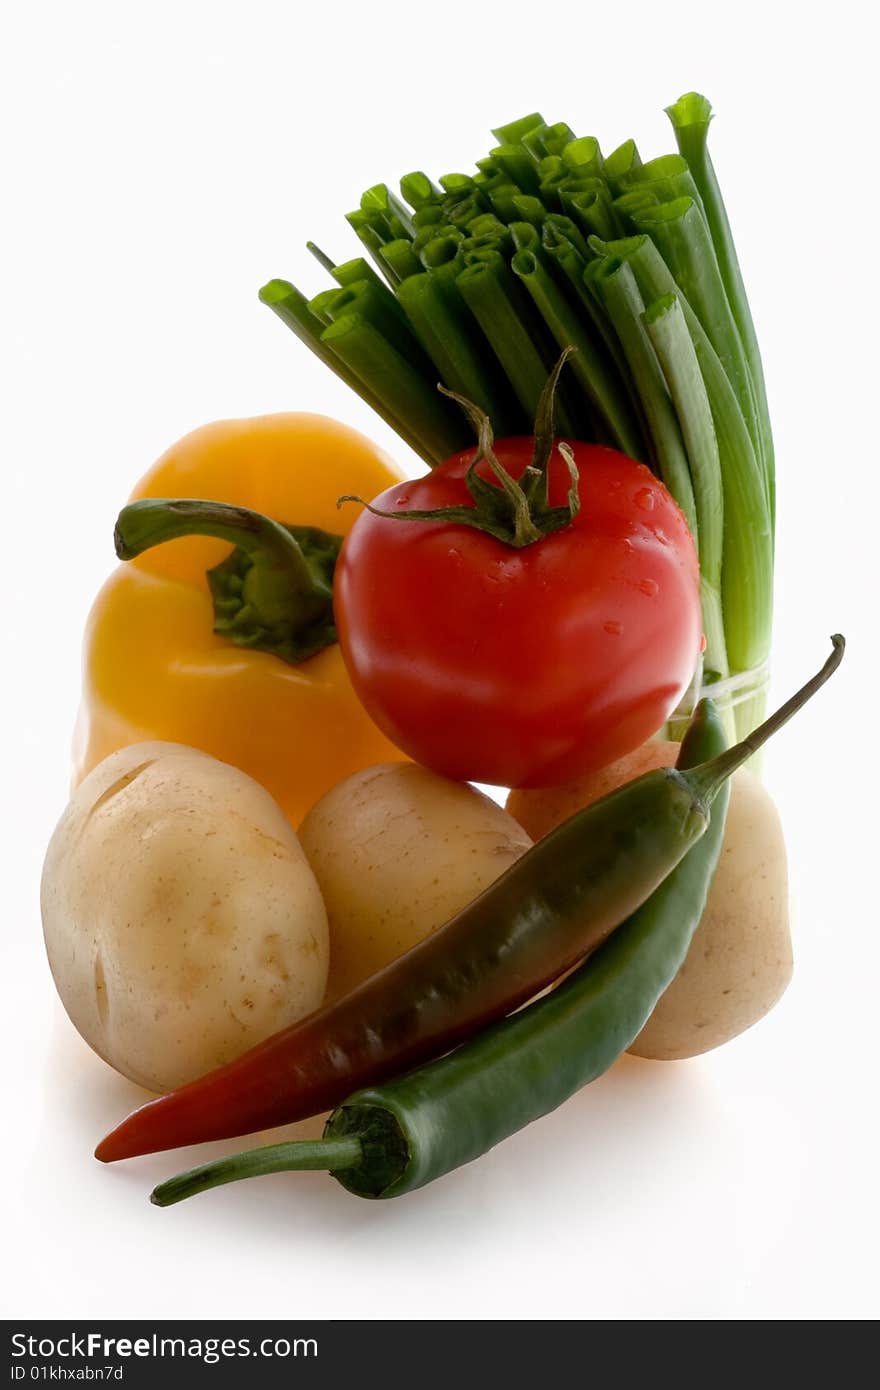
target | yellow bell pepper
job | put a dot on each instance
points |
(154, 668)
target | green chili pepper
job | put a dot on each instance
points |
(391, 1139)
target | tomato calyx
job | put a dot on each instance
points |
(517, 513)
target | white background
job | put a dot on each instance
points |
(162, 161)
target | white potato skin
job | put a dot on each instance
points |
(740, 960)
(397, 851)
(182, 922)
(540, 809)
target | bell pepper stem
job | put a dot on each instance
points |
(326, 1155)
(273, 592)
(705, 781)
(141, 525)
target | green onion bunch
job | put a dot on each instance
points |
(479, 280)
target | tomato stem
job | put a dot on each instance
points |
(516, 512)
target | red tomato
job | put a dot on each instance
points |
(522, 667)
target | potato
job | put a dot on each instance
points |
(740, 960)
(397, 851)
(182, 921)
(540, 809)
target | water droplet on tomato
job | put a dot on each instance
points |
(644, 498)
(614, 629)
(703, 642)
(649, 587)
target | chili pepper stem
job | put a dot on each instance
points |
(705, 781)
(324, 1155)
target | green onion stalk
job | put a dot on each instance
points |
(476, 282)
